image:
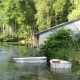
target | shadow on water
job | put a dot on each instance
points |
(10, 70)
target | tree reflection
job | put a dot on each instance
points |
(9, 70)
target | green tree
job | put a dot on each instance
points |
(62, 8)
(36, 15)
(51, 12)
(19, 14)
(75, 11)
(43, 14)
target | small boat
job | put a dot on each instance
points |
(31, 59)
(38, 61)
(57, 63)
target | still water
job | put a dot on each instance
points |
(10, 70)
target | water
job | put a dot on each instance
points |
(10, 70)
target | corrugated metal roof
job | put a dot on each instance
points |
(57, 26)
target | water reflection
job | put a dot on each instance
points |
(61, 70)
(10, 70)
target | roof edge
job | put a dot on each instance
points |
(55, 27)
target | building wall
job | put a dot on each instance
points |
(43, 37)
(74, 26)
(35, 40)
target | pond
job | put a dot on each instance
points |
(10, 70)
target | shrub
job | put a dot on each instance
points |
(58, 45)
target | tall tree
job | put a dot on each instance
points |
(76, 11)
(43, 14)
(51, 12)
(19, 14)
(62, 9)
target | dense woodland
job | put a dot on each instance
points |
(20, 19)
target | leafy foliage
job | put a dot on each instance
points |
(43, 14)
(74, 14)
(18, 14)
(50, 13)
(59, 45)
(75, 11)
(35, 15)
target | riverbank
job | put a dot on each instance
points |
(26, 41)
(20, 42)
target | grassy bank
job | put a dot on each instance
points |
(26, 41)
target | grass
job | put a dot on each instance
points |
(25, 41)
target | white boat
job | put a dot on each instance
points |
(38, 61)
(57, 63)
(31, 59)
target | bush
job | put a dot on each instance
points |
(59, 45)
(1, 38)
